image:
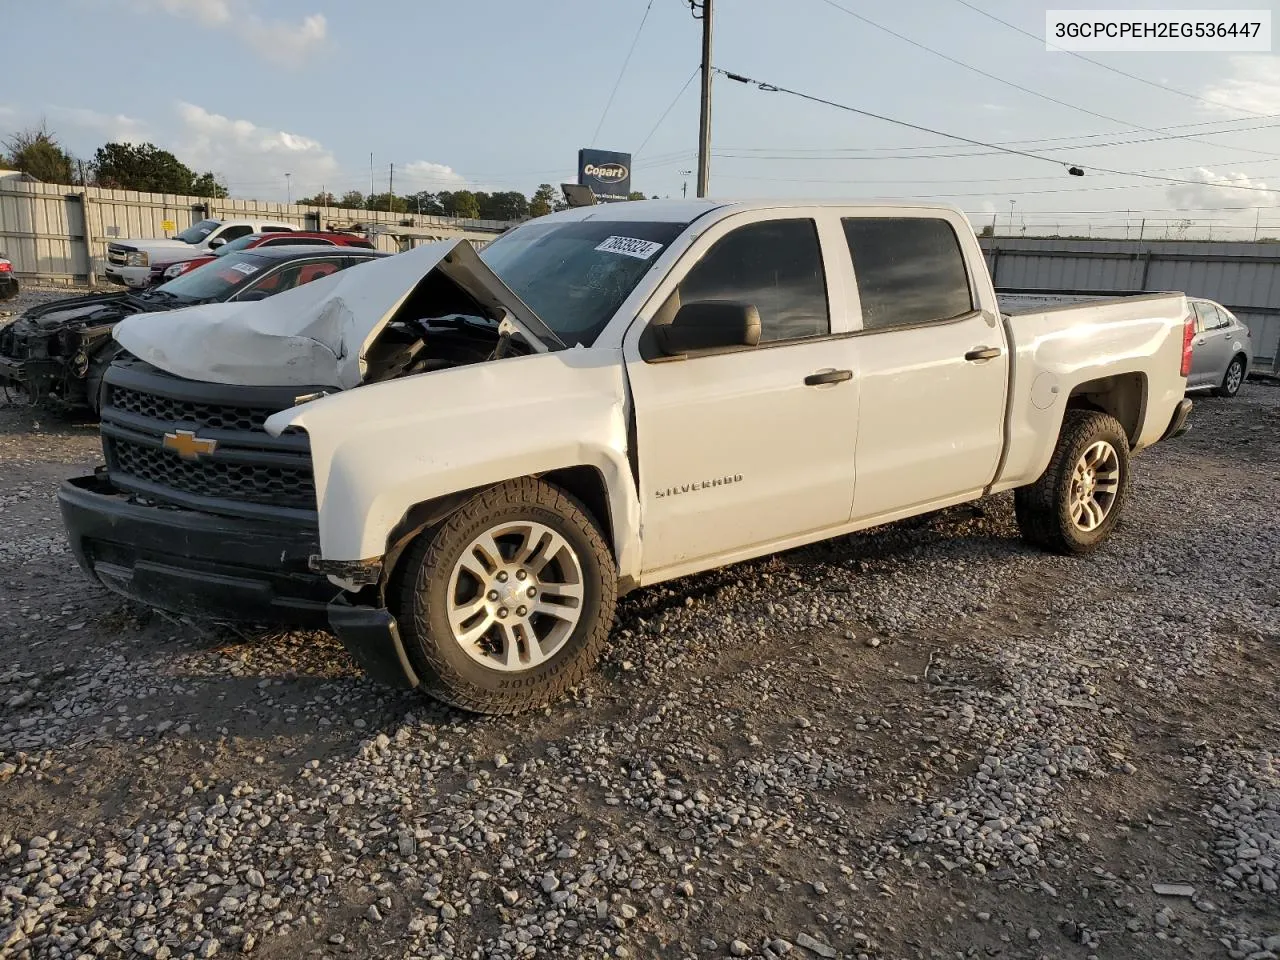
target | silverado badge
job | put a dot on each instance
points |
(187, 445)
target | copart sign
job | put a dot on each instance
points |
(607, 173)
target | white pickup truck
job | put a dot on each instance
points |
(142, 263)
(459, 461)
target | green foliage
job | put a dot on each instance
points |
(352, 198)
(325, 199)
(148, 168)
(637, 195)
(385, 201)
(459, 203)
(987, 231)
(545, 199)
(36, 152)
(424, 202)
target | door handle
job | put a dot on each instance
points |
(827, 376)
(982, 353)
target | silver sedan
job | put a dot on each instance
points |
(1222, 351)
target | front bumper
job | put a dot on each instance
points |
(1178, 422)
(372, 637)
(197, 563)
(136, 277)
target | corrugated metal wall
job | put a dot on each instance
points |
(42, 225)
(1245, 277)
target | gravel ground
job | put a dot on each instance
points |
(925, 741)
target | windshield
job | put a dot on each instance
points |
(575, 275)
(216, 280)
(237, 244)
(197, 231)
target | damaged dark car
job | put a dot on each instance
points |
(57, 354)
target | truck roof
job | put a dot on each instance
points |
(686, 211)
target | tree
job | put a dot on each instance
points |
(544, 200)
(460, 203)
(208, 185)
(424, 202)
(504, 205)
(145, 167)
(325, 199)
(385, 201)
(36, 152)
(352, 198)
(988, 231)
(636, 195)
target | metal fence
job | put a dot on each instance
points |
(1244, 277)
(60, 233)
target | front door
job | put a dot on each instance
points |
(932, 367)
(746, 447)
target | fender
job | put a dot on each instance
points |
(381, 449)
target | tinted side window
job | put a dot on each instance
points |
(909, 270)
(297, 241)
(270, 229)
(775, 265)
(236, 232)
(1207, 316)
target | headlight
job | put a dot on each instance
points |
(175, 270)
(137, 258)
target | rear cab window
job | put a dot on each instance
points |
(909, 271)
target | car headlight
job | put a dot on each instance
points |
(137, 258)
(174, 270)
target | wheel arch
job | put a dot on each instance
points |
(584, 482)
(1121, 395)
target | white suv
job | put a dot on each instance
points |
(139, 263)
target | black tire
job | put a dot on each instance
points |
(1225, 389)
(420, 590)
(1044, 508)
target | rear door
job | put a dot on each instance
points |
(743, 448)
(931, 365)
(1212, 347)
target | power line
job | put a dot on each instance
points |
(1017, 86)
(1106, 66)
(670, 106)
(616, 83)
(774, 88)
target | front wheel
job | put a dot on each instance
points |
(508, 603)
(1232, 379)
(1076, 503)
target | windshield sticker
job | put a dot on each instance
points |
(245, 268)
(630, 247)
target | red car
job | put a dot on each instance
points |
(277, 239)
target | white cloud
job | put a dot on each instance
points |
(1253, 87)
(253, 159)
(278, 41)
(1215, 190)
(104, 126)
(425, 175)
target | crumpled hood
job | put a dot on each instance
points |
(316, 334)
(81, 312)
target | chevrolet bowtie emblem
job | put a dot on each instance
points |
(187, 445)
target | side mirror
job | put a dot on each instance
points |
(216, 243)
(710, 325)
(251, 295)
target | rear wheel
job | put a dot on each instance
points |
(1232, 379)
(1076, 503)
(508, 603)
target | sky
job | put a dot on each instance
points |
(501, 94)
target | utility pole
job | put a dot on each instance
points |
(704, 116)
(684, 186)
(1011, 203)
(1256, 220)
(288, 188)
(1142, 229)
(369, 203)
(391, 193)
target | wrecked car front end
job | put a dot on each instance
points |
(198, 510)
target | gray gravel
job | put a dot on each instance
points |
(923, 741)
